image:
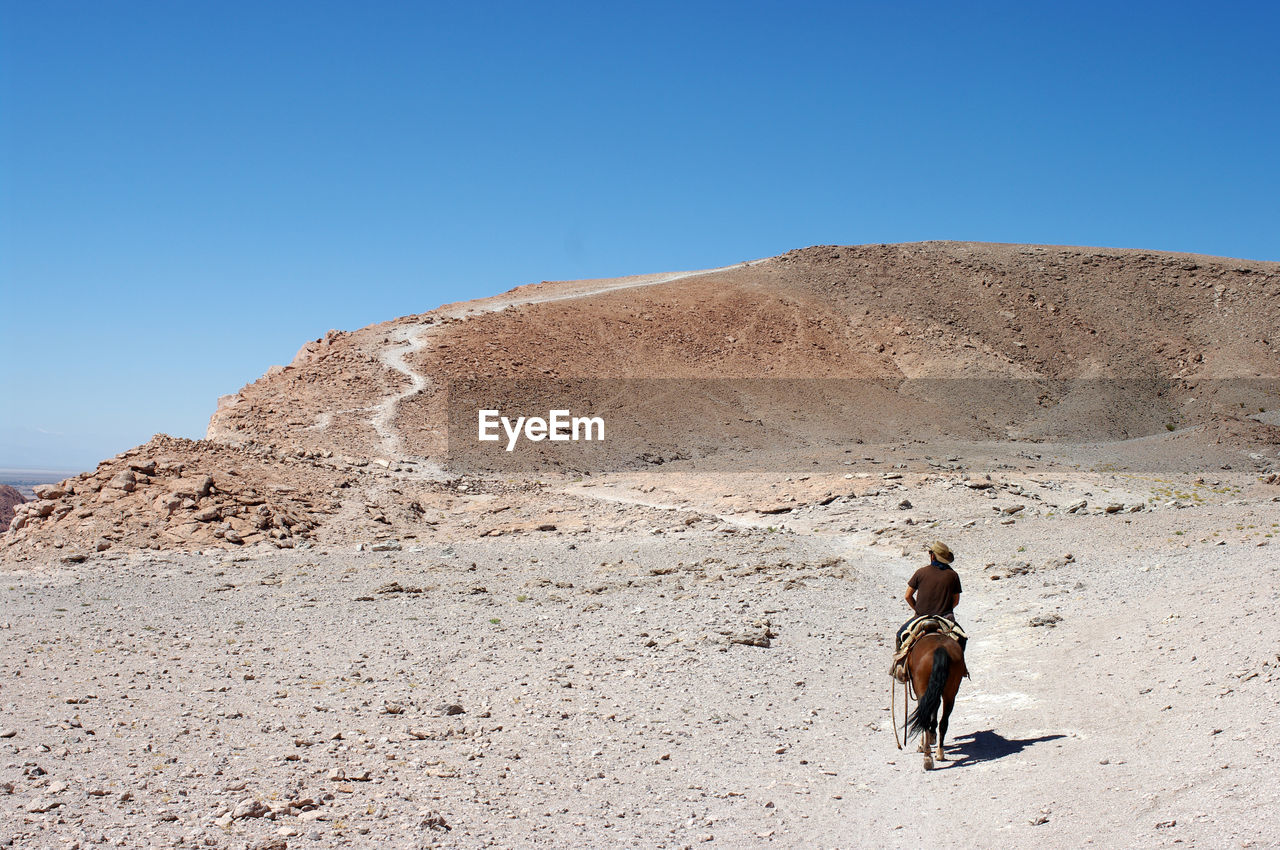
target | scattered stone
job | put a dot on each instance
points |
(758, 633)
(249, 808)
(434, 820)
(40, 806)
(275, 843)
(395, 587)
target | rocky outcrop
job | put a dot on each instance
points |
(175, 493)
(9, 500)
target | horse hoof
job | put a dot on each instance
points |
(940, 757)
(928, 763)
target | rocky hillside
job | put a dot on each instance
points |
(176, 493)
(9, 500)
(903, 314)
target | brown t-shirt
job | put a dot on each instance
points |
(935, 586)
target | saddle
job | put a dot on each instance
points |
(917, 628)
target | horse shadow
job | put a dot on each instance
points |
(989, 745)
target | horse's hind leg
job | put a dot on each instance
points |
(947, 705)
(926, 747)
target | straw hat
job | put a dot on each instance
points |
(941, 551)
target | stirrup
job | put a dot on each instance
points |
(898, 671)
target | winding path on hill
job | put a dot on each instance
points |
(414, 338)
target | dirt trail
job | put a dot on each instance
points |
(413, 339)
(405, 341)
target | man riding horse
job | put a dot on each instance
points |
(933, 591)
(930, 650)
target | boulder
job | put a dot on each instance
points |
(167, 504)
(46, 491)
(10, 501)
(126, 481)
(249, 808)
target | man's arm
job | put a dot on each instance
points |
(911, 597)
(955, 600)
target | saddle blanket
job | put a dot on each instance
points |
(927, 625)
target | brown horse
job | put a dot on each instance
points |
(936, 666)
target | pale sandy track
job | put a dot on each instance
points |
(410, 340)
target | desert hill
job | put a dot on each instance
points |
(764, 365)
(875, 314)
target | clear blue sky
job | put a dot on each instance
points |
(191, 190)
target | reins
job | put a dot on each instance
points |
(893, 706)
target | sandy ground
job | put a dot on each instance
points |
(599, 698)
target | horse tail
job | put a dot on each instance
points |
(927, 709)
